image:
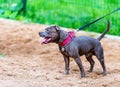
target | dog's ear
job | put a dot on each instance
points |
(56, 27)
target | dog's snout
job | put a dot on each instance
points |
(41, 34)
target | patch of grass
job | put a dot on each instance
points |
(65, 13)
(2, 55)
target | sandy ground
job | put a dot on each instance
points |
(27, 63)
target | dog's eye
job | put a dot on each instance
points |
(48, 32)
(53, 32)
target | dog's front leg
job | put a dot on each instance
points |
(67, 62)
(78, 61)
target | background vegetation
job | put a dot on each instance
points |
(65, 13)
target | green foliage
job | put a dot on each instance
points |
(2, 55)
(65, 13)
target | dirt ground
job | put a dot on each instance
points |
(27, 63)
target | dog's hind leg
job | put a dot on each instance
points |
(100, 55)
(91, 61)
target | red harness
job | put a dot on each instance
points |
(71, 35)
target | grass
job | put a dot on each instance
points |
(65, 13)
(2, 55)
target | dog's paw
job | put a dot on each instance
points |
(105, 73)
(82, 75)
(66, 72)
(89, 71)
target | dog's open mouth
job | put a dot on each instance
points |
(46, 40)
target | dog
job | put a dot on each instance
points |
(76, 46)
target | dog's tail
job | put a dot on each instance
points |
(107, 29)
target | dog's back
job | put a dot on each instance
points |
(85, 44)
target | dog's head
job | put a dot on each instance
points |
(53, 34)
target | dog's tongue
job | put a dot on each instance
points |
(45, 40)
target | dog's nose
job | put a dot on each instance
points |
(40, 33)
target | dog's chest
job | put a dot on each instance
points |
(64, 51)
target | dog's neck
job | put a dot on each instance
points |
(67, 38)
(62, 35)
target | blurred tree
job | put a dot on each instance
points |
(23, 9)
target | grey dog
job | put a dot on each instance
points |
(76, 46)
